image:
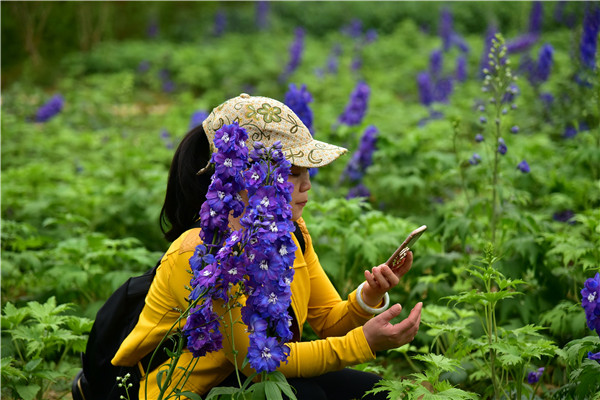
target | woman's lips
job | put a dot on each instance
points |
(302, 204)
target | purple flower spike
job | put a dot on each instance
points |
(425, 88)
(363, 157)
(570, 131)
(357, 106)
(589, 37)
(536, 17)
(262, 15)
(590, 301)
(564, 216)
(296, 50)
(461, 68)
(445, 28)
(50, 108)
(523, 167)
(436, 62)
(521, 43)
(197, 118)
(534, 376)
(297, 100)
(220, 23)
(502, 149)
(594, 356)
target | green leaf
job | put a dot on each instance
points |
(28, 392)
(258, 391)
(272, 391)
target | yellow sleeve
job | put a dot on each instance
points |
(328, 315)
(306, 359)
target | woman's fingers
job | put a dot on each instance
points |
(381, 334)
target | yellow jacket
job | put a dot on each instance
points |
(314, 299)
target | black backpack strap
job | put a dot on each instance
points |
(300, 237)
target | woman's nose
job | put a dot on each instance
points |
(305, 184)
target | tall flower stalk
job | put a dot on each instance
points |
(498, 83)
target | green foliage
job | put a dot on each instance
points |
(41, 336)
(427, 384)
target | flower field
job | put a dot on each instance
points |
(479, 120)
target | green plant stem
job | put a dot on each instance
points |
(495, 211)
(172, 366)
(463, 180)
(237, 370)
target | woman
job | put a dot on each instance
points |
(351, 330)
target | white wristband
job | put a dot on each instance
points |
(364, 306)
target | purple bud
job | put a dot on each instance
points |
(481, 108)
(523, 167)
(483, 120)
(514, 129)
(570, 131)
(534, 376)
(479, 138)
(502, 149)
(50, 108)
(475, 159)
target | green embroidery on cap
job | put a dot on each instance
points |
(252, 113)
(270, 114)
(295, 124)
(312, 159)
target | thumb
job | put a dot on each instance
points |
(391, 313)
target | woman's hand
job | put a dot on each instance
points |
(383, 335)
(382, 278)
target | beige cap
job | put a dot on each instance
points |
(267, 120)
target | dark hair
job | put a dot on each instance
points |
(186, 190)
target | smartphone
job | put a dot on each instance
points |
(400, 253)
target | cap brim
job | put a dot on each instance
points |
(313, 154)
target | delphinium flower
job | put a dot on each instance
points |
(461, 69)
(521, 43)
(502, 149)
(564, 216)
(570, 131)
(449, 37)
(167, 83)
(143, 66)
(262, 15)
(523, 166)
(50, 108)
(296, 49)
(540, 72)
(475, 159)
(220, 23)
(298, 100)
(489, 37)
(202, 326)
(166, 138)
(268, 257)
(333, 59)
(534, 376)
(357, 105)
(425, 86)
(197, 118)
(152, 30)
(561, 16)
(589, 37)
(353, 29)
(360, 190)
(590, 301)
(436, 63)
(498, 85)
(536, 17)
(363, 157)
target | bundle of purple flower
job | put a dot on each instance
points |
(591, 304)
(269, 255)
(357, 106)
(256, 258)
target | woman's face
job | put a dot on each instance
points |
(301, 180)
